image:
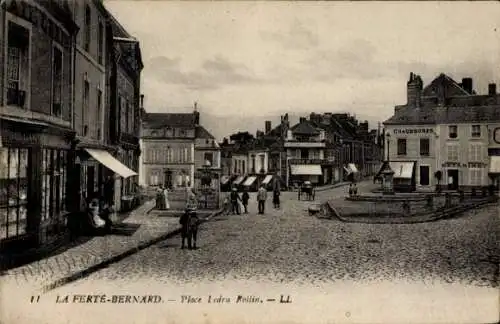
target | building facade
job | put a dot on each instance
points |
(168, 149)
(442, 135)
(36, 58)
(207, 158)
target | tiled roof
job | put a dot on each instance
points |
(444, 115)
(159, 120)
(305, 128)
(444, 81)
(201, 132)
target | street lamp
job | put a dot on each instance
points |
(387, 173)
(388, 136)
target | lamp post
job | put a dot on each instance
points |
(388, 136)
(388, 173)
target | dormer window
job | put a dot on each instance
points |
(453, 131)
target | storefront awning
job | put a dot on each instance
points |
(111, 163)
(238, 180)
(249, 181)
(352, 168)
(402, 169)
(267, 179)
(224, 179)
(306, 169)
(494, 164)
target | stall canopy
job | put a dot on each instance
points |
(238, 180)
(494, 164)
(224, 179)
(111, 163)
(306, 169)
(402, 169)
(267, 179)
(249, 181)
(352, 168)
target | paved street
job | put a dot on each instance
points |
(287, 245)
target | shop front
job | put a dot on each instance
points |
(33, 183)
(305, 172)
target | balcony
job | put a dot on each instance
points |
(312, 161)
(307, 144)
(16, 97)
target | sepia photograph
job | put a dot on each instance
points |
(249, 162)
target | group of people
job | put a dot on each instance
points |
(162, 198)
(100, 212)
(232, 203)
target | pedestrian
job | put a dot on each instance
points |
(159, 198)
(276, 193)
(189, 221)
(244, 200)
(354, 189)
(226, 206)
(350, 190)
(235, 198)
(166, 204)
(261, 198)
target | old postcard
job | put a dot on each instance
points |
(249, 162)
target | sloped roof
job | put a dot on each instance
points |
(159, 120)
(201, 132)
(452, 88)
(305, 128)
(444, 115)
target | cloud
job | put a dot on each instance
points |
(209, 75)
(298, 37)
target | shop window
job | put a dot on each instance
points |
(54, 178)
(476, 131)
(17, 64)
(453, 131)
(401, 146)
(424, 147)
(13, 191)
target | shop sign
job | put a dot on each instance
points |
(464, 165)
(20, 137)
(410, 131)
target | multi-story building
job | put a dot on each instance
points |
(258, 166)
(239, 165)
(305, 147)
(36, 100)
(125, 115)
(441, 136)
(207, 157)
(168, 149)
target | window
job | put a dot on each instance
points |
(424, 146)
(154, 178)
(86, 93)
(123, 114)
(452, 152)
(57, 81)
(475, 153)
(452, 131)
(17, 64)
(99, 113)
(208, 157)
(13, 191)
(401, 146)
(235, 167)
(120, 113)
(54, 179)
(186, 155)
(476, 130)
(88, 23)
(475, 176)
(100, 44)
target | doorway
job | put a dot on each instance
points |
(453, 179)
(424, 175)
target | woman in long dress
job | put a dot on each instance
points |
(166, 203)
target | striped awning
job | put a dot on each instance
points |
(238, 180)
(249, 181)
(267, 179)
(306, 169)
(494, 164)
(402, 169)
(224, 179)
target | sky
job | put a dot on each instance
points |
(259, 59)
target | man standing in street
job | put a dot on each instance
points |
(261, 198)
(276, 193)
(244, 200)
(235, 197)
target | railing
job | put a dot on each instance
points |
(16, 97)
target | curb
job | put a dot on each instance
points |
(426, 218)
(117, 258)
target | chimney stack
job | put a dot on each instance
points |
(492, 89)
(268, 127)
(467, 84)
(414, 90)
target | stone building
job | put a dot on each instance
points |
(36, 100)
(443, 135)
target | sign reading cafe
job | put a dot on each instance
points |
(414, 131)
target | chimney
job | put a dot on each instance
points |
(268, 127)
(467, 84)
(492, 89)
(413, 90)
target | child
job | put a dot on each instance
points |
(244, 200)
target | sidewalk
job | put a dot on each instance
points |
(137, 232)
